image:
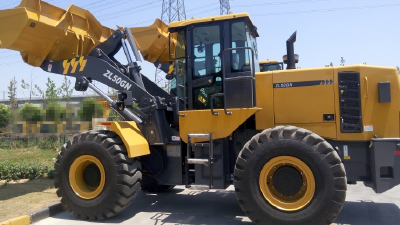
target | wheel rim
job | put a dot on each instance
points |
(287, 183)
(87, 176)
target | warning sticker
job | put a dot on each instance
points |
(176, 138)
(368, 128)
(346, 152)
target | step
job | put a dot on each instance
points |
(198, 187)
(199, 136)
(198, 161)
(201, 144)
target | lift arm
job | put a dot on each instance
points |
(73, 43)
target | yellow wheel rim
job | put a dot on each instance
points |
(300, 195)
(78, 180)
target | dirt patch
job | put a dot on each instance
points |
(18, 198)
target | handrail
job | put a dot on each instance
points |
(212, 108)
(178, 85)
(224, 79)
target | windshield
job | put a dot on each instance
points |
(179, 66)
(271, 67)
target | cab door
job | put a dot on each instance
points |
(239, 66)
(206, 71)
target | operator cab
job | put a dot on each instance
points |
(214, 62)
(270, 65)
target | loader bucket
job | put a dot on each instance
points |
(153, 42)
(41, 31)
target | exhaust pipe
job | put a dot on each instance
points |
(290, 57)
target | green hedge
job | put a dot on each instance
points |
(90, 108)
(31, 113)
(24, 170)
(5, 115)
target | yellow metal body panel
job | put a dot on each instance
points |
(305, 105)
(133, 139)
(42, 31)
(203, 122)
(302, 106)
(265, 118)
(22, 220)
(268, 61)
(383, 117)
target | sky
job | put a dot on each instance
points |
(357, 30)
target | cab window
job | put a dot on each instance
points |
(206, 64)
(206, 49)
(178, 82)
(241, 60)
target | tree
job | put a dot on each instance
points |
(342, 61)
(52, 93)
(66, 89)
(398, 70)
(12, 94)
(55, 112)
(5, 115)
(31, 113)
(28, 86)
(330, 65)
(89, 109)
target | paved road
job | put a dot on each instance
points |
(181, 206)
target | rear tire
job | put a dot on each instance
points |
(288, 175)
(94, 176)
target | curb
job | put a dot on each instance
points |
(35, 216)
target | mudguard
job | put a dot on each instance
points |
(136, 145)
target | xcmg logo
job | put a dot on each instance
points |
(74, 65)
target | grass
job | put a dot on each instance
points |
(42, 156)
(29, 163)
(25, 196)
(44, 142)
(22, 197)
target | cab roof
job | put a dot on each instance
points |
(268, 61)
(183, 23)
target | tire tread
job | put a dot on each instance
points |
(298, 134)
(128, 175)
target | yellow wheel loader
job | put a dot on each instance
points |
(270, 65)
(290, 141)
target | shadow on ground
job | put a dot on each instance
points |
(221, 207)
(369, 213)
(12, 190)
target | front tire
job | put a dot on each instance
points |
(288, 175)
(94, 176)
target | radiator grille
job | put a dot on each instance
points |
(350, 104)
